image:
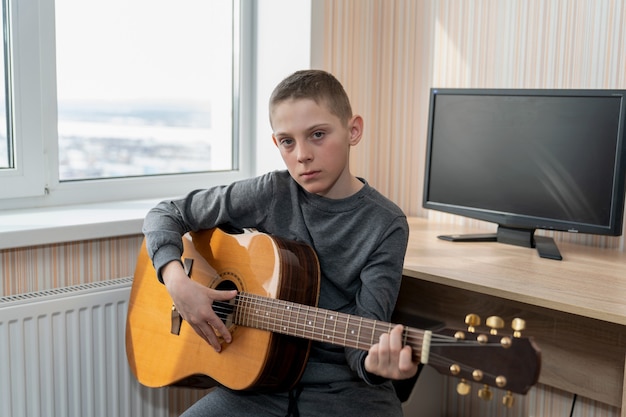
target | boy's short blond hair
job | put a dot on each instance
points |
(317, 85)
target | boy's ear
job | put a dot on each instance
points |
(355, 126)
(274, 140)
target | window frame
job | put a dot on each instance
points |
(34, 182)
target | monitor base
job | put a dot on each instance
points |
(546, 247)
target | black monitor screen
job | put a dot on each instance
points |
(550, 159)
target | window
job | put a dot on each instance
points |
(119, 99)
(143, 93)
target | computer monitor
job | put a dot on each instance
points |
(528, 159)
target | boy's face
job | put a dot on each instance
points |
(315, 146)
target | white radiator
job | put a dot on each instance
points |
(62, 354)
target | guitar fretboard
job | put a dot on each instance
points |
(319, 324)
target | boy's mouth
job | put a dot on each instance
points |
(309, 174)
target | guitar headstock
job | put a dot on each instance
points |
(511, 363)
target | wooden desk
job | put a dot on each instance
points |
(575, 308)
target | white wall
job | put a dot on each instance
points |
(283, 46)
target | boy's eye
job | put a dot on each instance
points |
(285, 141)
(318, 135)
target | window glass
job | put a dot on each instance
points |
(144, 87)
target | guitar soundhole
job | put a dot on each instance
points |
(224, 309)
(226, 285)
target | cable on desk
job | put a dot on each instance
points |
(571, 414)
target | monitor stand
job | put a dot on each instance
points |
(476, 237)
(546, 247)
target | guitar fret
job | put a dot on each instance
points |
(266, 315)
(298, 322)
(350, 333)
(308, 328)
(326, 334)
(314, 323)
(240, 314)
(293, 321)
(288, 310)
(307, 324)
(343, 326)
(373, 333)
(272, 314)
(295, 326)
(255, 318)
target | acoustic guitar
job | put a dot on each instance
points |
(274, 319)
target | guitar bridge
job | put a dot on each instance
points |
(177, 319)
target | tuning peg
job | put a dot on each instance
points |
(495, 323)
(477, 374)
(472, 320)
(506, 342)
(455, 369)
(508, 400)
(485, 393)
(518, 325)
(463, 387)
(501, 381)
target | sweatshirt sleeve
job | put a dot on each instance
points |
(240, 204)
(380, 284)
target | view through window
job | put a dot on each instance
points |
(144, 87)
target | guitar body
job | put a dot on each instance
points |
(253, 263)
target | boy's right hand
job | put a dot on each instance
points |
(194, 302)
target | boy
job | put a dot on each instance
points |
(359, 236)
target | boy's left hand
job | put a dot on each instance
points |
(389, 359)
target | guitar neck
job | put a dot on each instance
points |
(321, 325)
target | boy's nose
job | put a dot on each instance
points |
(304, 152)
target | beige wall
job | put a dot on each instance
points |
(389, 53)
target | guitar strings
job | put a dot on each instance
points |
(303, 323)
(325, 325)
(286, 317)
(275, 319)
(289, 318)
(270, 314)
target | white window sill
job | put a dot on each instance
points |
(31, 227)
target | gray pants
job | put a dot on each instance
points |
(337, 399)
